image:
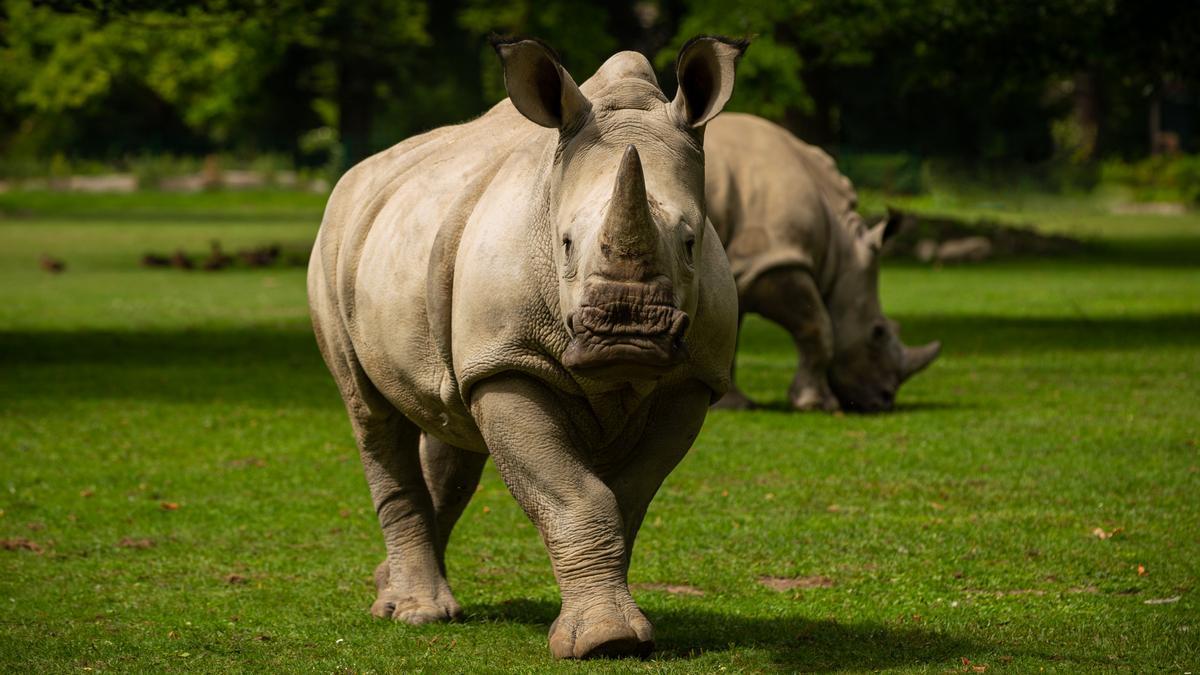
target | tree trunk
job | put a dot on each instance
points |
(1155, 119)
(644, 27)
(819, 127)
(1086, 110)
(355, 88)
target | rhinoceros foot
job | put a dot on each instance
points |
(403, 602)
(605, 630)
(813, 397)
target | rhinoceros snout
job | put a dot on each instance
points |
(865, 401)
(626, 329)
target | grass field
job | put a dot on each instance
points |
(179, 490)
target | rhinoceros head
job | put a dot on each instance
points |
(627, 198)
(869, 360)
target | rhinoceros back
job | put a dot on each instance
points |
(387, 251)
(775, 199)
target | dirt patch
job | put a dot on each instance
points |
(673, 589)
(792, 583)
(935, 239)
(1163, 601)
(1005, 594)
(248, 462)
(267, 255)
(130, 542)
(20, 544)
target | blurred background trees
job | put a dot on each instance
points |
(975, 82)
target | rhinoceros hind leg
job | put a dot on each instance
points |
(412, 586)
(452, 475)
(411, 583)
(805, 394)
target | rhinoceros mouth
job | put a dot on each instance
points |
(622, 330)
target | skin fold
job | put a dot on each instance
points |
(542, 285)
(804, 259)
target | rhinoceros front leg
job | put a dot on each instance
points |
(536, 450)
(789, 297)
(676, 421)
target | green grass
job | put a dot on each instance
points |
(957, 529)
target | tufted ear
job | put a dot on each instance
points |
(538, 85)
(705, 69)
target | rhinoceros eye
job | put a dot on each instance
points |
(566, 242)
(690, 245)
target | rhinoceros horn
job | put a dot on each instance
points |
(629, 230)
(917, 358)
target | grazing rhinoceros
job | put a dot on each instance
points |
(804, 259)
(540, 284)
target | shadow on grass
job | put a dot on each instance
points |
(202, 220)
(783, 406)
(259, 365)
(182, 208)
(983, 333)
(1164, 252)
(793, 643)
(1148, 252)
(281, 366)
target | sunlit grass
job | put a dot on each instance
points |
(957, 532)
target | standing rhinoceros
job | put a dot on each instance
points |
(804, 259)
(540, 284)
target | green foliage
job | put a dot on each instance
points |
(1158, 178)
(891, 173)
(769, 81)
(209, 65)
(323, 142)
(958, 528)
(577, 28)
(202, 64)
(24, 168)
(151, 170)
(958, 78)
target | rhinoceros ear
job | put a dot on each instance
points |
(538, 85)
(705, 69)
(886, 229)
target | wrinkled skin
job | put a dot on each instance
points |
(540, 285)
(804, 259)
